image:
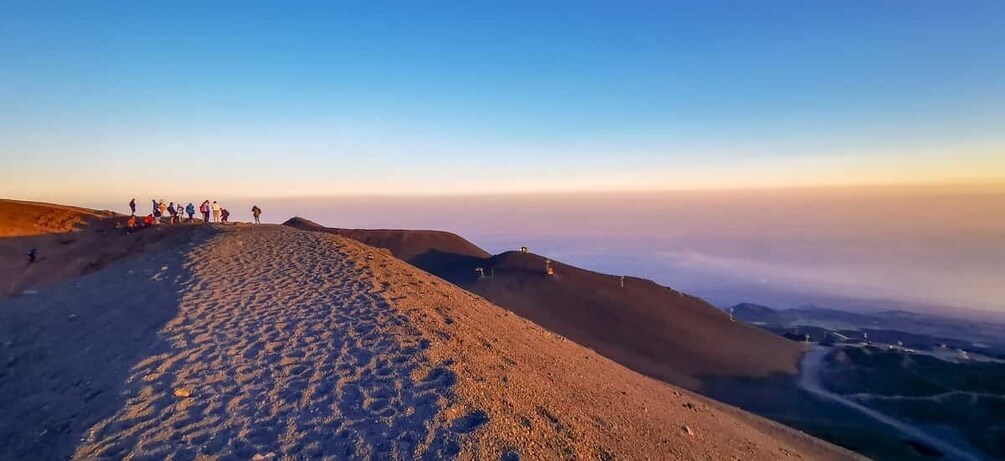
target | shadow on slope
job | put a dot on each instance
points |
(649, 328)
(68, 348)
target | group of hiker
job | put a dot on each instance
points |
(176, 213)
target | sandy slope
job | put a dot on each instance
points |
(70, 242)
(21, 218)
(649, 328)
(66, 351)
(306, 344)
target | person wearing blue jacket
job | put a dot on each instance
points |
(190, 209)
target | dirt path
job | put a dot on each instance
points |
(287, 351)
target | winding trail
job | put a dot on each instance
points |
(288, 350)
(809, 379)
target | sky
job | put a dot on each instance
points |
(778, 151)
(103, 100)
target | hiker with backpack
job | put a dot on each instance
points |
(190, 209)
(224, 214)
(204, 209)
(256, 212)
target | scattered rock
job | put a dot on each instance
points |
(687, 429)
(183, 392)
(72, 317)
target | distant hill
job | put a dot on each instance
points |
(433, 251)
(21, 218)
(911, 329)
(650, 328)
(757, 314)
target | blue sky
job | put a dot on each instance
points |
(101, 99)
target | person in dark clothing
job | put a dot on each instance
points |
(132, 207)
(157, 209)
(172, 212)
(224, 214)
(190, 209)
(32, 254)
(256, 212)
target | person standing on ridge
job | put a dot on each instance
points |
(256, 212)
(180, 211)
(204, 209)
(171, 211)
(156, 211)
(216, 211)
(163, 208)
(190, 209)
(132, 207)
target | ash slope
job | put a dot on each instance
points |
(649, 328)
(71, 242)
(298, 343)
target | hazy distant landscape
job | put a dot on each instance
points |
(854, 248)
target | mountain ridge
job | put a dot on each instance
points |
(650, 328)
(252, 341)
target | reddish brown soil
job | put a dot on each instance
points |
(69, 242)
(298, 344)
(647, 327)
(21, 219)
